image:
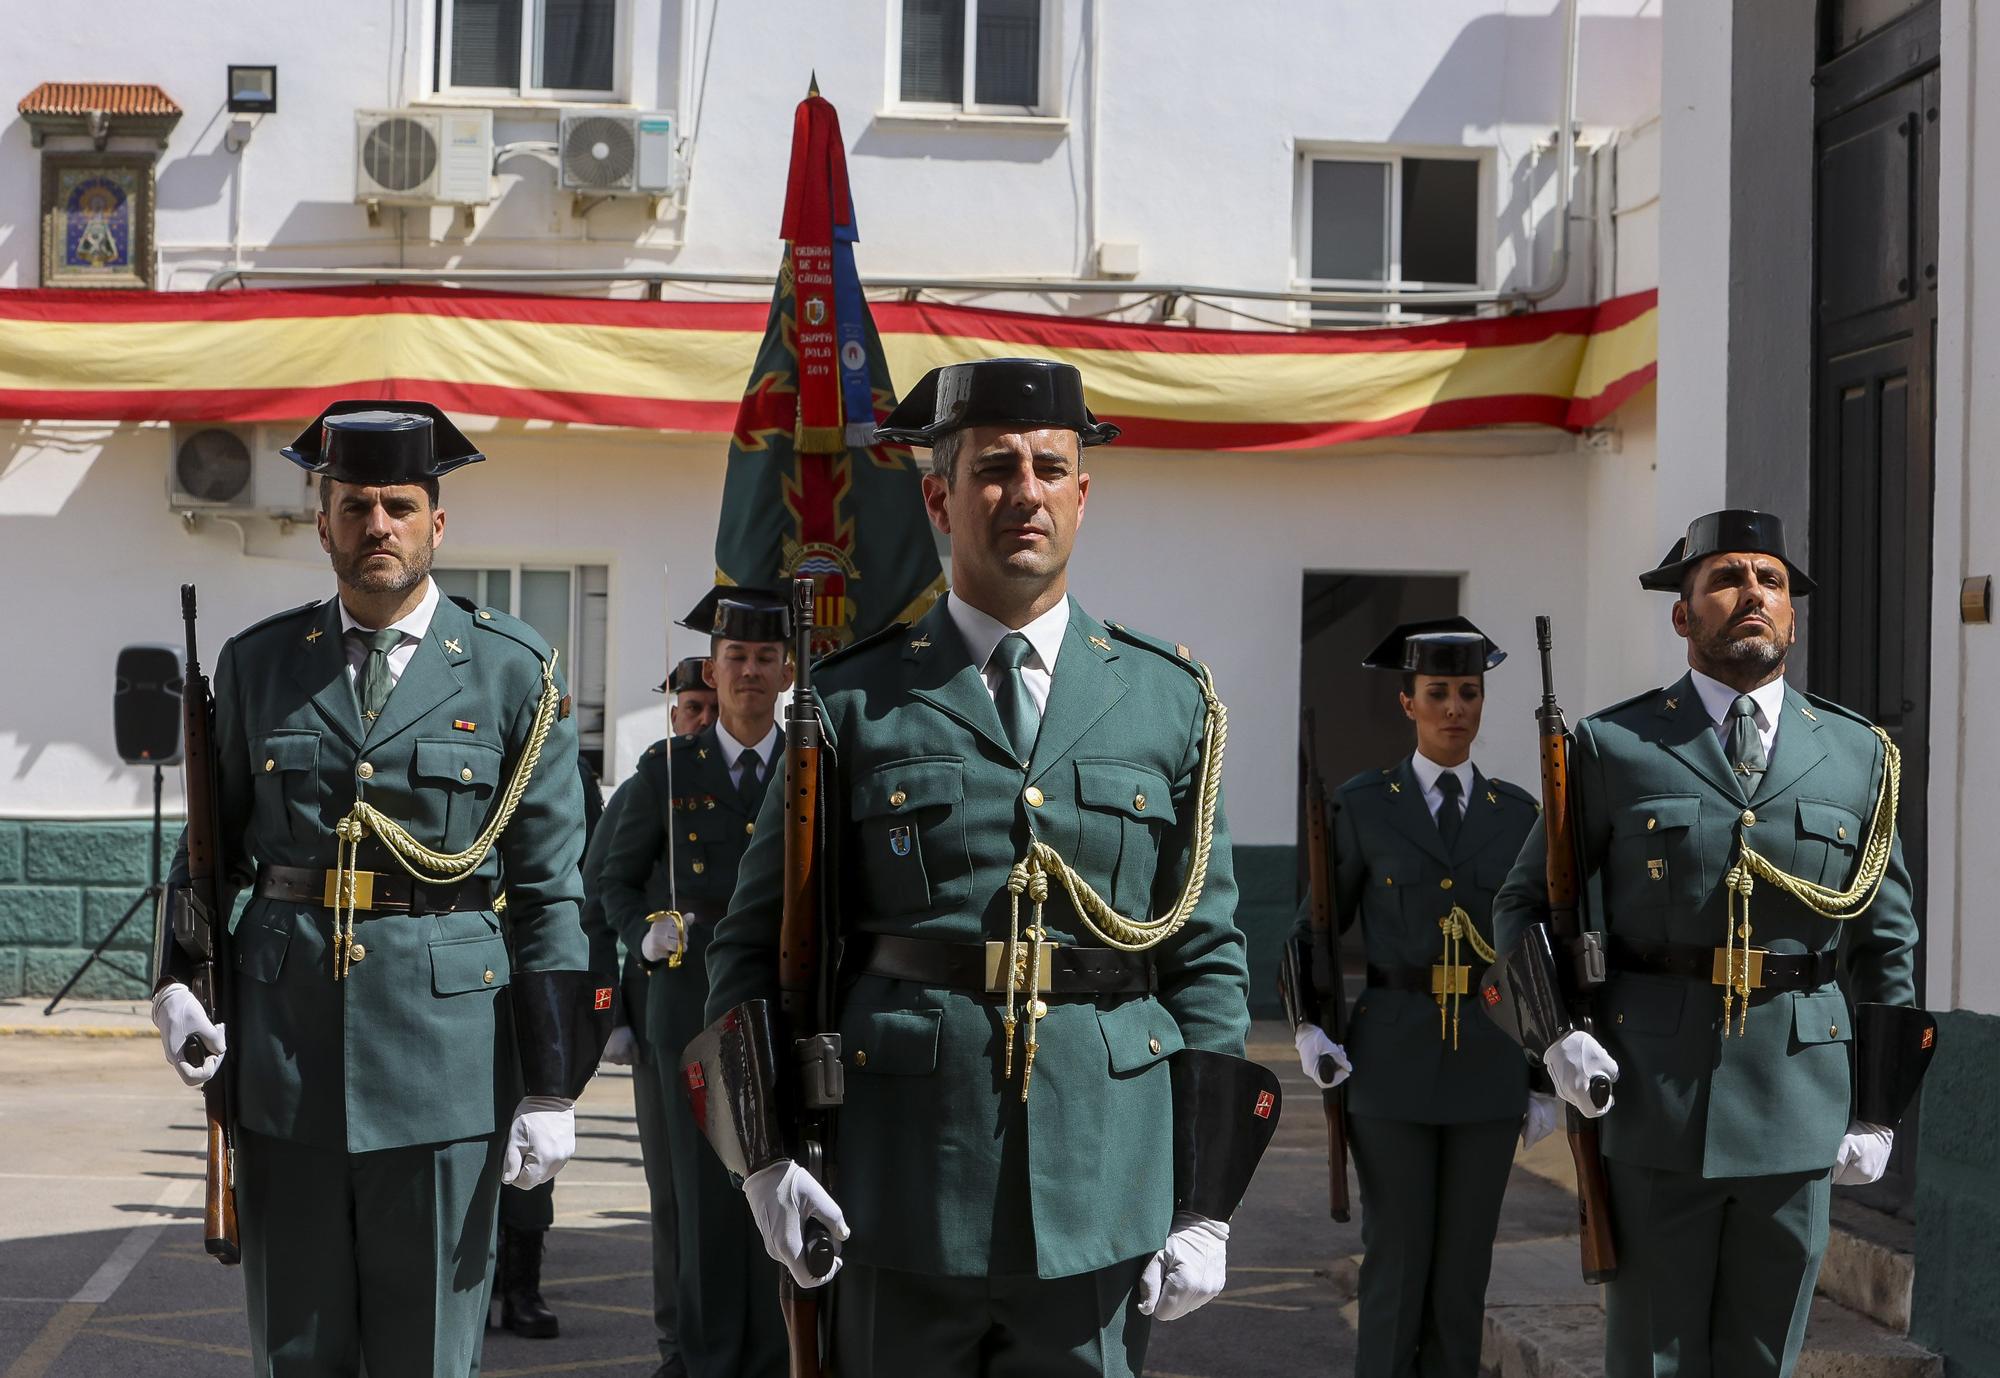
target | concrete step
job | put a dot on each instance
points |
(1871, 1264)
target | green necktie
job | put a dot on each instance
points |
(372, 689)
(1449, 817)
(1017, 711)
(1746, 748)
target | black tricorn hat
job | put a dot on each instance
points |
(1031, 393)
(736, 613)
(684, 676)
(1440, 646)
(381, 443)
(1733, 528)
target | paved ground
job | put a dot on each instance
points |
(102, 1270)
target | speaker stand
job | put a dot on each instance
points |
(148, 900)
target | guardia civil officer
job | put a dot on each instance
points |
(669, 872)
(1437, 1093)
(375, 1046)
(1743, 836)
(1005, 1178)
(691, 712)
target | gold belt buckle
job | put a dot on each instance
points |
(1727, 968)
(362, 890)
(1451, 980)
(996, 964)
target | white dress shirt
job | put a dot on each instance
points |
(1717, 696)
(983, 635)
(732, 751)
(414, 627)
(1428, 773)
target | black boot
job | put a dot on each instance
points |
(519, 1283)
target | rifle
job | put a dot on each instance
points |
(1310, 981)
(805, 992)
(1579, 982)
(201, 928)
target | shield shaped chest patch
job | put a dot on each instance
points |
(899, 840)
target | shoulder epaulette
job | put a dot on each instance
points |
(1170, 650)
(879, 638)
(511, 627)
(1367, 779)
(1514, 791)
(1836, 709)
(275, 618)
(1649, 696)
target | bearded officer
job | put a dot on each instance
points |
(990, 762)
(1743, 834)
(691, 812)
(376, 1044)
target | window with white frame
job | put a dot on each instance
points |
(549, 48)
(567, 604)
(1390, 220)
(985, 56)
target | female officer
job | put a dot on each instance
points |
(1438, 1093)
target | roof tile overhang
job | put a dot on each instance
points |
(98, 110)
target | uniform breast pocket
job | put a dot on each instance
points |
(464, 773)
(913, 855)
(1654, 858)
(289, 793)
(1123, 815)
(1828, 835)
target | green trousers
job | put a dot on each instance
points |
(378, 1258)
(533, 1210)
(900, 1325)
(729, 1324)
(1715, 1275)
(649, 1096)
(1430, 1206)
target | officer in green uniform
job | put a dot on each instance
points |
(1438, 1092)
(1013, 782)
(1743, 836)
(388, 760)
(692, 711)
(691, 811)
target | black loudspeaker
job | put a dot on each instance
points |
(146, 706)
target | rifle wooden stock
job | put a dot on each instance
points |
(1565, 884)
(210, 984)
(1327, 979)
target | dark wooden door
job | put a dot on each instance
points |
(1874, 365)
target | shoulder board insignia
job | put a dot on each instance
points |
(889, 633)
(464, 602)
(278, 617)
(513, 629)
(1513, 791)
(1167, 650)
(1838, 710)
(1633, 701)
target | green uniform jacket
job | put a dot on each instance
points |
(1660, 823)
(931, 810)
(413, 1046)
(1393, 871)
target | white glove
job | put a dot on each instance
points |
(1863, 1155)
(1544, 1118)
(621, 1047)
(782, 1198)
(1313, 1044)
(662, 940)
(176, 1014)
(1572, 1063)
(541, 1139)
(1189, 1272)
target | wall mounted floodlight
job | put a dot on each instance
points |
(253, 89)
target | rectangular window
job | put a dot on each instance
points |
(1389, 220)
(568, 606)
(528, 47)
(992, 47)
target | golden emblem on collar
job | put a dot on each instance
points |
(313, 635)
(453, 647)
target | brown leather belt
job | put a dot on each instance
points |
(1066, 970)
(1795, 971)
(375, 892)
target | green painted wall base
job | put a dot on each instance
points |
(1956, 1309)
(63, 885)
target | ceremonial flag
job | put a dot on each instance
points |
(807, 490)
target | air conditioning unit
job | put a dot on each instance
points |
(423, 157)
(231, 471)
(617, 153)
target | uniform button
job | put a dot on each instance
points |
(749, 828)
(1033, 796)
(356, 953)
(1652, 823)
(896, 799)
(1139, 802)
(1445, 884)
(1388, 880)
(699, 867)
(860, 1057)
(694, 837)
(1153, 1046)
(366, 771)
(1621, 1019)
(466, 775)
(270, 763)
(1749, 818)
(485, 616)
(1833, 1031)
(488, 977)
(1039, 1009)
(1841, 830)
